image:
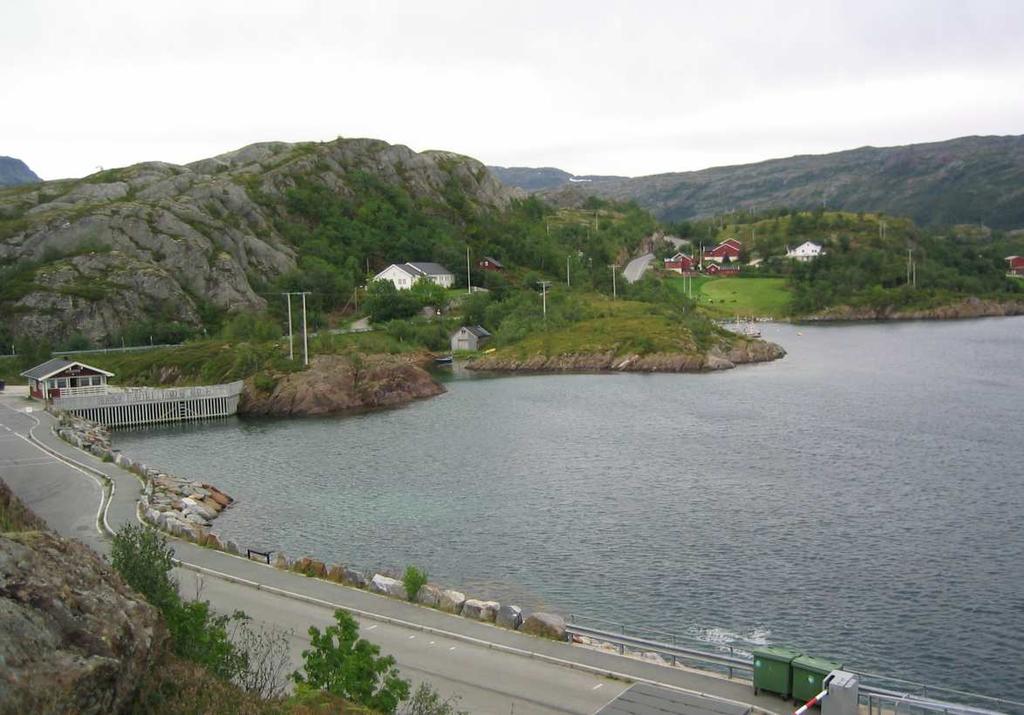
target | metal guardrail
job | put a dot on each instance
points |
(912, 700)
(674, 652)
(129, 349)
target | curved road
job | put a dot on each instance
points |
(493, 670)
(635, 268)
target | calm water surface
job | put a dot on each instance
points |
(861, 499)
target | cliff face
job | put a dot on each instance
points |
(93, 255)
(723, 356)
(334, 384)
(73, 636)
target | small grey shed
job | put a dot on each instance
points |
(469, 337)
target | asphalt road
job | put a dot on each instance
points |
(492, 670)
(635, 268)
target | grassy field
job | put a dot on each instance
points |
(729, 297)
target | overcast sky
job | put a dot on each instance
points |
(592, 87)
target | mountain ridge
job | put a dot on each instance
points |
(963, 180)
(15, 172)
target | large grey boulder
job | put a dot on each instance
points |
(451, 601)
(387, 586)
(546, 625)
(429, 595)
(510, 617)
(480, 610)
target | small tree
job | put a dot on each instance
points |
(144, 560)
(427, 701)
(413, 580)
(345, 665)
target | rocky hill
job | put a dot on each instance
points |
(534, 179)
(966, 180)
(159, 241)
(14, 172)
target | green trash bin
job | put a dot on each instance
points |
(808, 674)
(773, 670)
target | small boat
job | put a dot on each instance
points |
(444, 360)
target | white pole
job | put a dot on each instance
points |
(568, 283)
(305, 341)
(291, 342)
(615, 292)
(469, 281)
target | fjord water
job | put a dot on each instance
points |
(861, 499)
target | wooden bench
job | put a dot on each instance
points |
(264, 555)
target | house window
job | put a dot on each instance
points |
(62, 382)
(97, 380)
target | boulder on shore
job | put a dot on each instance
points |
(429, 595)
(546, 625)
(387, 586)
(451, 601)
(481, 610)
(510, 617)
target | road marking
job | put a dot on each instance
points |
(431, 642)
(372, 627)
(598, 686)
(451, 649)
(411, 637)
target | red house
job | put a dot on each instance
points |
(65, 378)
(1016, 266)
(723, 270)
(680, 263)
(490, 264)
(725, 252)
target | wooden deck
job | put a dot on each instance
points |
(141, 406)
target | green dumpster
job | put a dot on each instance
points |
(808, 674)
(772, 669)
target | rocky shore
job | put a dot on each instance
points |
(341, 383)
(967, 308)
(723, 356)
(182, 507)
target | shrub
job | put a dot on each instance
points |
(413, 580)
(341, 663)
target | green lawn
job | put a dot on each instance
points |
(752, 297)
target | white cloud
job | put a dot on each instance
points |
(595, 87)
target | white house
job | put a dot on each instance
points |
(65, 378)
(806, 251)
(404, 275)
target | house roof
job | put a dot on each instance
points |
(493, 261)
(52, 367)
(429, 269)
(477, 330)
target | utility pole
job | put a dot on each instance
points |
(291, 346)
(544, 295)
(568, 282)
(910, 252)
(469, 280)
(615, 292)
(305, 340)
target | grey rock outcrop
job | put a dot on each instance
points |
(159, 239)
(546, 625)
(73, 636)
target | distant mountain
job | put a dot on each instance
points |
(967, 180)
(547, 177)
(14, 172)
